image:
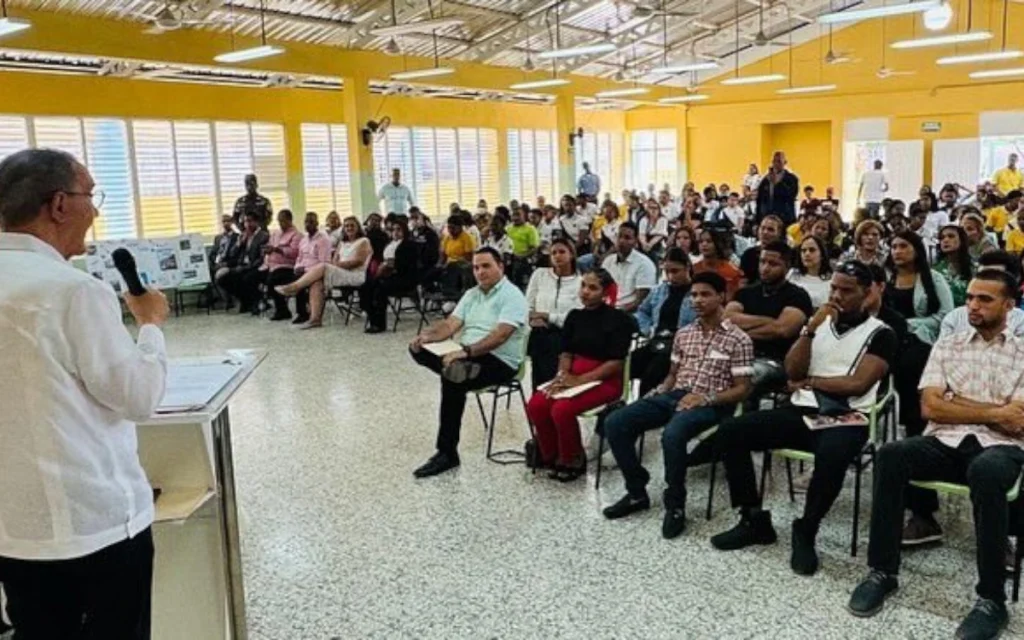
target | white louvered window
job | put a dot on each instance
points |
(425, 170)
(60, 133)
(653, 154)
(533, 164)
(603, 150)
(109, 162)
(234, 161)
(13, 135)
(270, 164)
(159, 200)
(528, 168)
(448, 171)
(325, 169)
(197, 178)
(470, 189)
(488, 150)
(547, 167)
(515, 164)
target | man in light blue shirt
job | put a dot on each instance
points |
(492, 319)
(396, 196)
(589, 183)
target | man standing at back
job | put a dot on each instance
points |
(1009, 178)
(589, 183)
(396, 196)
(873, 185)
(252, 201)
(76, 549)
(778, 191)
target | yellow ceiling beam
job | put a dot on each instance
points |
(56, 32)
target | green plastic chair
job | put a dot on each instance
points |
(883, 409)
(505, 390)
(954, 489)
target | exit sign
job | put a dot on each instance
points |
(931, 126)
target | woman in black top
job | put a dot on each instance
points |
(595, 344)
(394, 276)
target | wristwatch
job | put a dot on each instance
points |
(807, 332)
(469, 352)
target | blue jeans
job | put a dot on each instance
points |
(623, 427)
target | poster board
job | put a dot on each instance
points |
(163, 263)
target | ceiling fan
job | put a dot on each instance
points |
(173, 16)
(836, 57)
(884, 71)
(761, 39)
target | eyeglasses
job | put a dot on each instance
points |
(97, 197)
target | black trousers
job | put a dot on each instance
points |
(250, 290)
(544, 347)
(233, 282)
(373, 297)
(907, 370)
(989, 471)
(453, 396)
(651, 363)
(834, 449)
(103, 596)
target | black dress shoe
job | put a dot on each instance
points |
(986, 621)
(373, 329)
(674, 523)
(628, 505)
(803, 559)
(278, 317)
(438, 463)
(753, 528)
(301, 319)
(869, 596)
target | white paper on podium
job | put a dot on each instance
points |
(193, 384)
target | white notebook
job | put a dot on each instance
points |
(443, 348)
(572, 392)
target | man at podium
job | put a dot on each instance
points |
(76, 549)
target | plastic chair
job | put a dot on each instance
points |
(601, 412)
(505, 390)
(954, 489)
(397, 304)
(882, 409)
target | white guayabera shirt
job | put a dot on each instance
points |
(72, 385)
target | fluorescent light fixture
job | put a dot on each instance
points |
(768, 77)
(620, 93)
(997, 73)
(693, 97)
(422, 73)
(988, 56)
(252, 53)
(424, 26)
(540, 84)
(12, 25)
(939, 41)
(572, 52)
(877, 12)
(938, 18)
(816, 88)
(683, 68)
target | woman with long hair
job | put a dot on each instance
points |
(918, 293)
(715, 252)
(686, 239)
(824, 230)
(867, 243)
(973, 224)
(396, 276)
(813, 272)
(954, 261)
(346, 269)
(550, 296)
(653, 231)
(595, 345)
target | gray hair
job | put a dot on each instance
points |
(28, 179)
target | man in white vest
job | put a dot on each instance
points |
(835, 370)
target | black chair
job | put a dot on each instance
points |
(401, 301)
(346, 299)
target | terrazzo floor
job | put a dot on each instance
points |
(339, 541)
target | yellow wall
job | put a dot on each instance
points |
(808, 147)
(721, 153)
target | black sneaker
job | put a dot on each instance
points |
(674, 523)
(869, 596)
(803, 559)
(986, 620)
(755, 528)
(438, 463)
(628, 505)
(279, 317)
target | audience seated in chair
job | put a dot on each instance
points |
(220, 255)
(278, 268)
(492, 318)
(712, 361)
(347, 269)
(769, 231)
(667, 309)
(715, 249)
(396, 276)
(595, 343)
(244, 261)
(525, 245)
(973, 398)
(377, 236)
(958, 319)
(771, 312)
(552, 293)
(635, 275)
(834, 368)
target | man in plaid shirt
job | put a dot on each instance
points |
(712, 361)
(973, 397)
(834, 368)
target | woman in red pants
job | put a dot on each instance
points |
(595, 344)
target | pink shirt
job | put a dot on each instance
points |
(288, 243)
(313, 251)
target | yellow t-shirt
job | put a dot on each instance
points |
(1006, 180)
(795, 235)
(1015, 241)
(460, 248)
(996, 218)
(599, 222)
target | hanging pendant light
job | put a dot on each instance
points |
(264, 50)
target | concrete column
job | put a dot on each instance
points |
(296, 180)
(356, 101)
(565, 123)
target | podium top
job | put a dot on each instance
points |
(228, 371)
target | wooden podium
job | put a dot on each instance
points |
(197, 582)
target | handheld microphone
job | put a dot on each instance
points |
(124, 262)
